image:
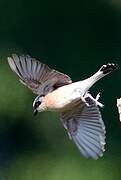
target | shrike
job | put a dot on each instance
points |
(78, 110)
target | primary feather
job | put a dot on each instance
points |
(37, 76)
(86, 128)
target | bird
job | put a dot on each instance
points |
(79, 111)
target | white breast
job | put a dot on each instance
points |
(63, 98)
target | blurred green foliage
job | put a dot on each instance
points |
(75, 37)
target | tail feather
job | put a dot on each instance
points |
(103, 71)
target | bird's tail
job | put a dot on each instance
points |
(103, 71)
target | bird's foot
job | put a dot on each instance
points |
(98, 96)
(95, 99)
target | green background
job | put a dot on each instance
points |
(75, 37)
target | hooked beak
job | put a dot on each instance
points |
(35, 112)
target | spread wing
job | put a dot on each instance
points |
(86, 128)
(36, 75)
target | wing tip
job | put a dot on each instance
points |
(89, 150)
(11, 63)
(14, 56)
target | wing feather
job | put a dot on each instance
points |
(36, 75)
(86, 128)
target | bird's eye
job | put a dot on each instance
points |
(37, 104)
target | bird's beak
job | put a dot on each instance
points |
(35, 112)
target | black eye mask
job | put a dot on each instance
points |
(37, 104)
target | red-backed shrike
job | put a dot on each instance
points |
(78, 110)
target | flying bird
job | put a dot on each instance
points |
(79, 111)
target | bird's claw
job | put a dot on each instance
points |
(94, 99)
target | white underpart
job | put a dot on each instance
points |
(80, 88)
(83, 86)
(88, 83)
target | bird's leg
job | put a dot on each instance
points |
(94, 99)
(83, 98)
(98, 96)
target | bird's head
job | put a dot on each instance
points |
(39, 104)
